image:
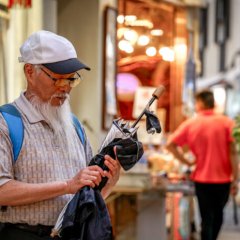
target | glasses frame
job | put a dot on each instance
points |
(72, 82)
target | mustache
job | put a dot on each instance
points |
(61, 95)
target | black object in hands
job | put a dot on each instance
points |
(152, 122)
(128, 150)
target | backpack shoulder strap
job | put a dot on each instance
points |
(79, 129)
(15, 127)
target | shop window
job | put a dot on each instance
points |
(148, 34)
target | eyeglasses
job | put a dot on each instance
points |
(61, 82)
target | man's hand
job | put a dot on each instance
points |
(173, 148)
(90, 176)
(234, 188)
(112, 175)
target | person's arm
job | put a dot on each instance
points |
(173, 148)
(15, 193)
(235, 170)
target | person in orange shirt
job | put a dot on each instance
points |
(209, 137)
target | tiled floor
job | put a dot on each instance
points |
(225, 235)
(230, 231)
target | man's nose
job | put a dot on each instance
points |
(65, 88)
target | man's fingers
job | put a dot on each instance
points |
(89, 183)
(111, 162)
(95, 168)
(108, 174)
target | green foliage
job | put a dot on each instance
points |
(236, 131)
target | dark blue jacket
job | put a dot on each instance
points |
(86, 217)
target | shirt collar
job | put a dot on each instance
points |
(28, 110)
(206, 112)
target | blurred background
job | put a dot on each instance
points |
(132, 47)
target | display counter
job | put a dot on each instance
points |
(145, 192)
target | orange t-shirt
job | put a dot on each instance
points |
(208, 136)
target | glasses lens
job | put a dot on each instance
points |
(75, 82)
(64, 82)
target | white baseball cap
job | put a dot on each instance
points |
(52, 51)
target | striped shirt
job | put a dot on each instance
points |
(41, 160)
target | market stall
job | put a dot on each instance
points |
(154, 199)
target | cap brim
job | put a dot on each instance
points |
(66, 66)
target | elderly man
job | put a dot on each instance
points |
(53, 162)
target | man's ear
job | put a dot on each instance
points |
(28, 69)
(30, 73)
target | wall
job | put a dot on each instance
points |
(22, 23)
(211, 58)
(233, 43)
(81, 22)
(211, 53)
(49, 17)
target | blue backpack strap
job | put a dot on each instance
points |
(15, 127)
(79, 129)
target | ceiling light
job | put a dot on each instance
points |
(125, 46)
(130, 18)
(120, 19)
(127, 18)
(131, 35)
(129, 49)
(143, 40)
(141, 23)
(120, 32)
(157, 32)
(167, 54)
(151, 51)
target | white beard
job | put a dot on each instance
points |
(58, 117)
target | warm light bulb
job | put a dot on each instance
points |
(142, 23)
(120, 32)
(129, 49)
(143, 40)
(125, 46)
(130, 18)
(157, 32)
(120, 19)
(167, 54)
(151, 51)
(131, 35)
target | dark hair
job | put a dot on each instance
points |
(206, 97)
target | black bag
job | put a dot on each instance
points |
(129, 151)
